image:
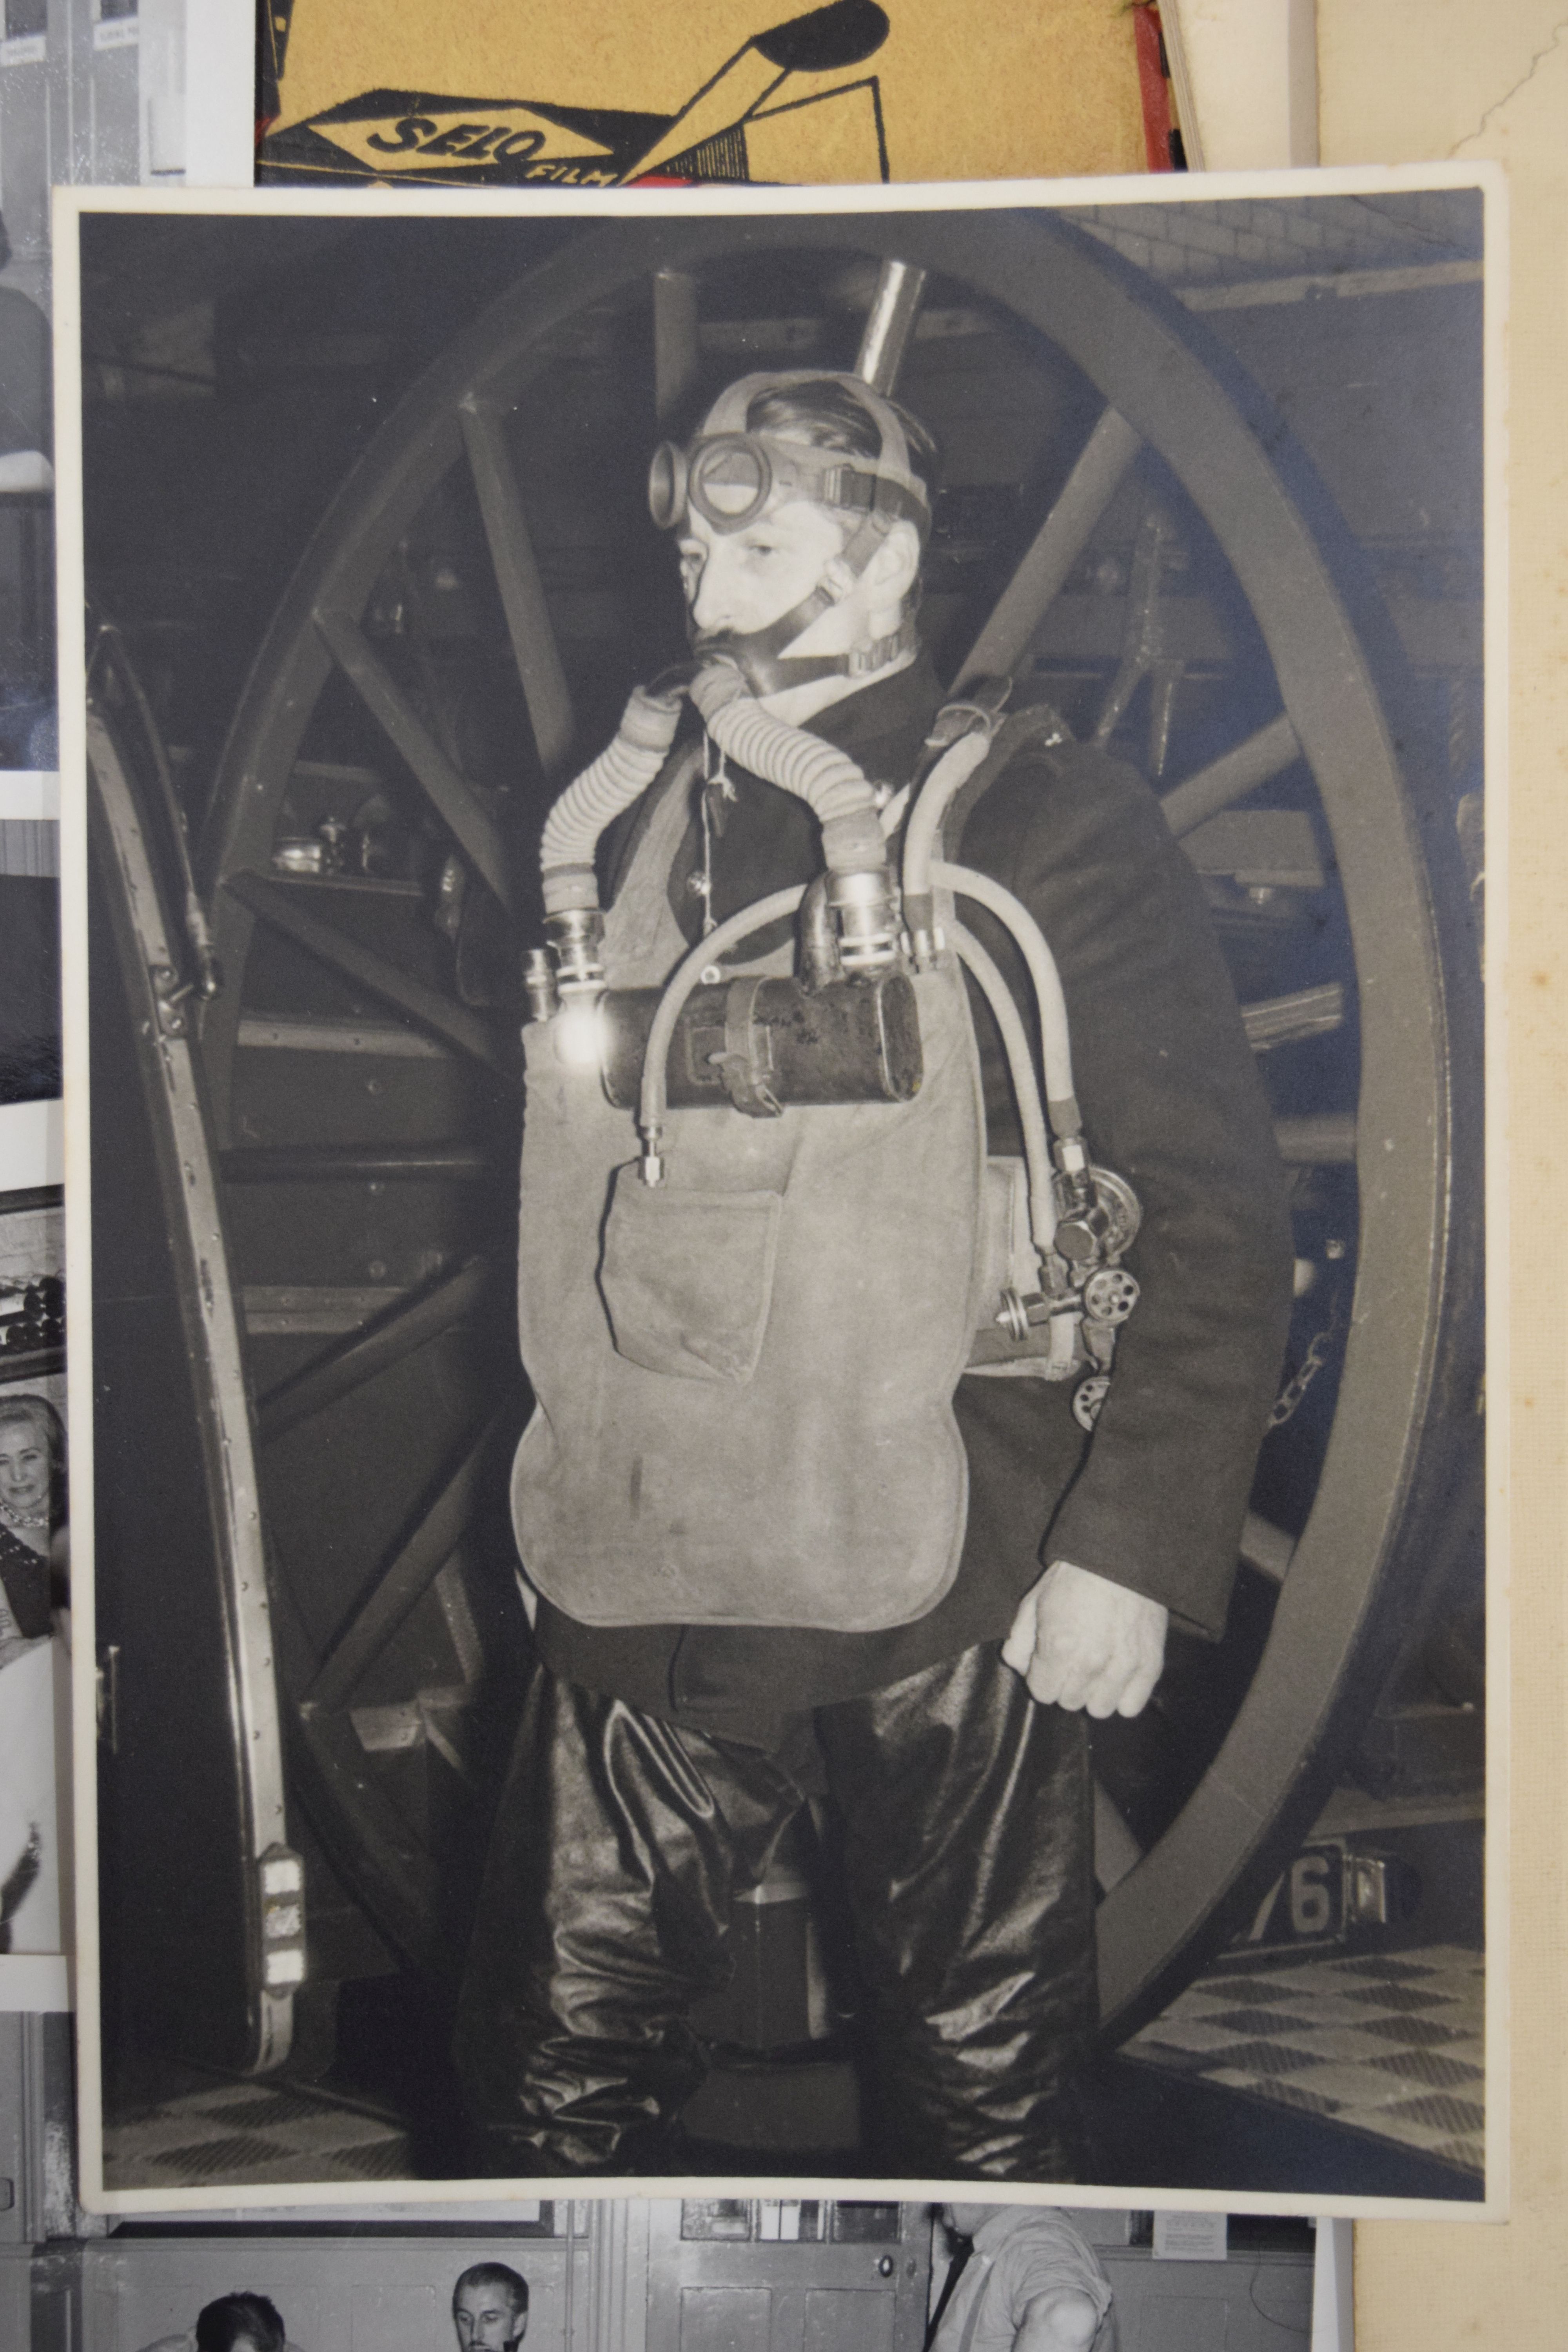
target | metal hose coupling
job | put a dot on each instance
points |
(866, 906)
(576, 936)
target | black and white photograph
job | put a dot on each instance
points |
(773, 942)
(725, 2274)
(26, 535)
(35, 1587)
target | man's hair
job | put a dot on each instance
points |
(826, 415)
(494, 2275)
(242, 2318)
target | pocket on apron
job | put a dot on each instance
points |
(687, 1278)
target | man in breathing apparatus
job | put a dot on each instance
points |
(663, 1749)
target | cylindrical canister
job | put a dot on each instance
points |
(852, 1041)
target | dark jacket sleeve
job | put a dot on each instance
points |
(1171, 1101)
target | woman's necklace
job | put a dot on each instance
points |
(23, 1518)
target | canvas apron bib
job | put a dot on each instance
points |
(744, 1376)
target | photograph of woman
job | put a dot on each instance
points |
(32, 1589)
(32, 1527)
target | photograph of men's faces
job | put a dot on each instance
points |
(781, 914)
(753, 2275)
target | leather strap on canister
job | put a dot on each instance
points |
(746, 1063)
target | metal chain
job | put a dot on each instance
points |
(1312, 1364)
(717, 788)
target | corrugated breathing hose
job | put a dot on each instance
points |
(827, 780)
(620, 774)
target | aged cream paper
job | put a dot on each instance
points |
(1246, 79)
(1401, 79)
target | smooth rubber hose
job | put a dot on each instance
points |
(946, 779)
(621, 772)
(1054, 1040)
(1020, 1065)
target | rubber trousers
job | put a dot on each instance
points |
(621, 1840)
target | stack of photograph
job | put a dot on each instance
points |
(775, 1585)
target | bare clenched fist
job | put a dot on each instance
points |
(1081, 1640)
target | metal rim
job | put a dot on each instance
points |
(174, 1086)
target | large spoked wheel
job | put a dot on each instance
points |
(441, 655)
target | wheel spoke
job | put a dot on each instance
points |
(356, 1163)
(1285, 1020)
(890, 324)
(340, 1371)
(676, 351)
(1232, 776)
(1166, 679)
(1142, 634)
(1103, 465)
(1266, 1548)
(1116, 1849)
(427, 1005)
(404, 1582)
(287, 1033)
(449, 793)
(395, 1873)
(1130, 672)
(533, 633)
(315, 1309)
(1322, 1139)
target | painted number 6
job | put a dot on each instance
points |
(1311, 1911)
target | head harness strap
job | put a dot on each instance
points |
(731, 474)
(729, 411)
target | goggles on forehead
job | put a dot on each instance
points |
(732, 479)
